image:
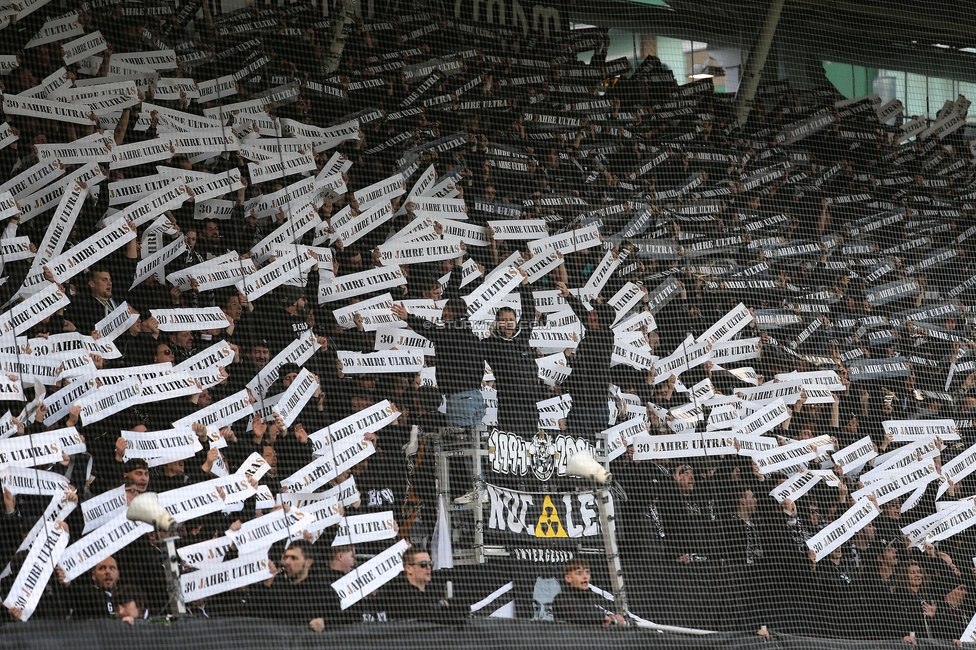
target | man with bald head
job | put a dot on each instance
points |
(91, 596)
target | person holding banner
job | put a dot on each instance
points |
(91, 306)
(589, 383)
(508, 353)
(298, 592)
(459, 352)
(341, 561)
(94, 599)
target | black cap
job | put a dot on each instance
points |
(133, 464)
(288, 295)
(288, 368)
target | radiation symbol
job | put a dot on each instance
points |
(549, 524)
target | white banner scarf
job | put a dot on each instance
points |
(244, 571)
(490, 292)
(95, 248)
(957, 469)
(855, 455)
(897, 483)
(385, 361)
(357, 529)
(323, 513)
(218, 354)
(95, 547)
(83, 47)
(355, 284)
(857, 517)
(116, 323)
(762, 420)
(367, 221)
(45, 109)
(791, 454)
(899, 459)
(389, 338)
(139, 153)
(57, 30)
(34, 449)
(385, 190)
(516, 228)
(298, 352)
(622, 434)
(32, 311)
(174, 444)
(909, 430)
(58, 509)
(371, 575)
(686, 356)
(272, 276)
(261, 532)
(300, 221)
(801, 483)
(349, 430)
(32, 179)
(156, 263)
(108, 400)
(955, 521)
(22, 480)
(178, 320)
(682, 445)
(222, 413)
(325, 468)
(727, 326)
(210, 276)
(296, 397)
(103, 508)
(38, 566)
(206, 553)
(216, 184)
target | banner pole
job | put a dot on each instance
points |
(609, 531)
(177, 606)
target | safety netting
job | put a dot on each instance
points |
(322, 319)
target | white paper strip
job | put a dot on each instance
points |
(179, 320)
(371, 575)
(262, 532)
(857, 517)
(226, 576)
(38, 567)
(357, 529)
(103, 508)
(909, 430)
(296, 397)
(23, 480)
(104, 541)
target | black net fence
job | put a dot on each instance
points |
(477, 324)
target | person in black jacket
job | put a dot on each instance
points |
(460, 358)
(690, 519)
(407, 597)
(508, 353)
(589, 383)
(94, 599)
(93, 304)
(341, 562)
(297, 594)
(576, 603)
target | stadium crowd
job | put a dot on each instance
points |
(576, 224)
